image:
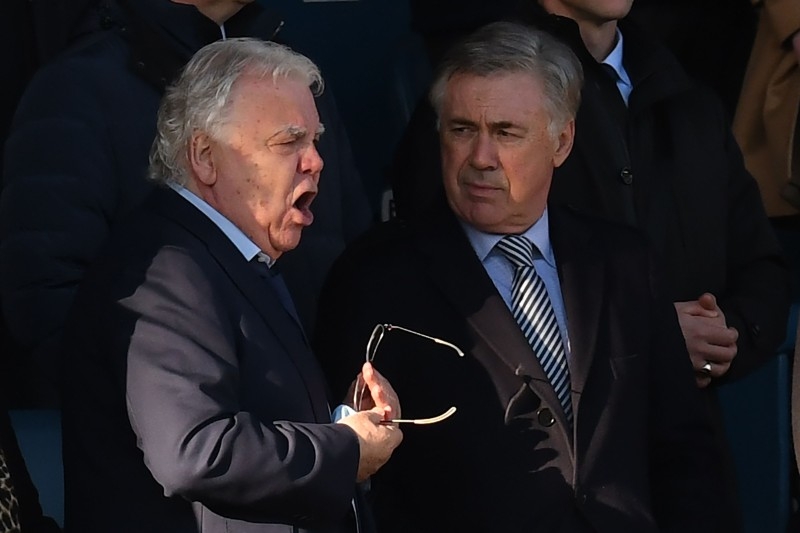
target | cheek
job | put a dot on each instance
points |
(454, 158)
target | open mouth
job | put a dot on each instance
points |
(303, 202)
(303, 206)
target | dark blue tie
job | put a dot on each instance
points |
(273, 276)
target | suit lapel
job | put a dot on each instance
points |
(261, 294)
(458, 272)
(581, 276)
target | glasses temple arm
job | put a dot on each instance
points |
(434, 339)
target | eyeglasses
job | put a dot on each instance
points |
(374, 341)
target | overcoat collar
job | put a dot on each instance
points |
(455, 268)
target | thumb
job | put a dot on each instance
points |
(708, 301)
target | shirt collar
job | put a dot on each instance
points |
(246, 247)
(614, 60)
(538, 234)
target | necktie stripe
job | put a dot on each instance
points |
(533, 311)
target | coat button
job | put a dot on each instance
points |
(545, 417)
(755, 329)
(626, 175)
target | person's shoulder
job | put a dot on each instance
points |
(611, 235)
(97, 49)
(91, 71)
(385, 241)
(387, 249)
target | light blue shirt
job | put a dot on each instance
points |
(614, 60)
(243, 243)
(501, 271)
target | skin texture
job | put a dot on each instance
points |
(217, 10)
(498, 155)
(262, 171)
(708, 338)
(597, 20)
(376, 441)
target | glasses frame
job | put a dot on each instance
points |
(375, 338)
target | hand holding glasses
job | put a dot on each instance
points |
(372, 348)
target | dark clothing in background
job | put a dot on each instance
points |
(710, 38)
(76, 162)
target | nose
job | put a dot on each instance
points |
(483, 155)
(310, 161)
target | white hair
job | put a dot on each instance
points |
(199, 99)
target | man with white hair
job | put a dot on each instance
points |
(192, 401)
(77, 156)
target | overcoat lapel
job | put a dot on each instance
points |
(581, 275)
(255, 289)
(457, 271)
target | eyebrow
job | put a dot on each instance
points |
(494, 126)
(298, 132)
(294, 131)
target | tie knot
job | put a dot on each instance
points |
(517, 249)
(610, 71)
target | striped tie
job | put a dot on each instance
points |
(534, 314)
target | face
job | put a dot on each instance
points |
(595, 12)
(217, 10)
(262, 171)
(498, 154)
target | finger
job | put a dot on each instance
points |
(702, 381)
(694, 309)
(374, 415)
(382, 394)
(708, 301)
(719, 335)
(716, 354)
(719, 369)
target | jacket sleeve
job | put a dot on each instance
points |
(686, 468)
(184, 401)
(57, 201)
(757, 297)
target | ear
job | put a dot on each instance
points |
(200, 155)
(564, 143)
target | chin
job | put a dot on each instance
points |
(290, 242)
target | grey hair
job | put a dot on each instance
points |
(199, 99)
(506, 48)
